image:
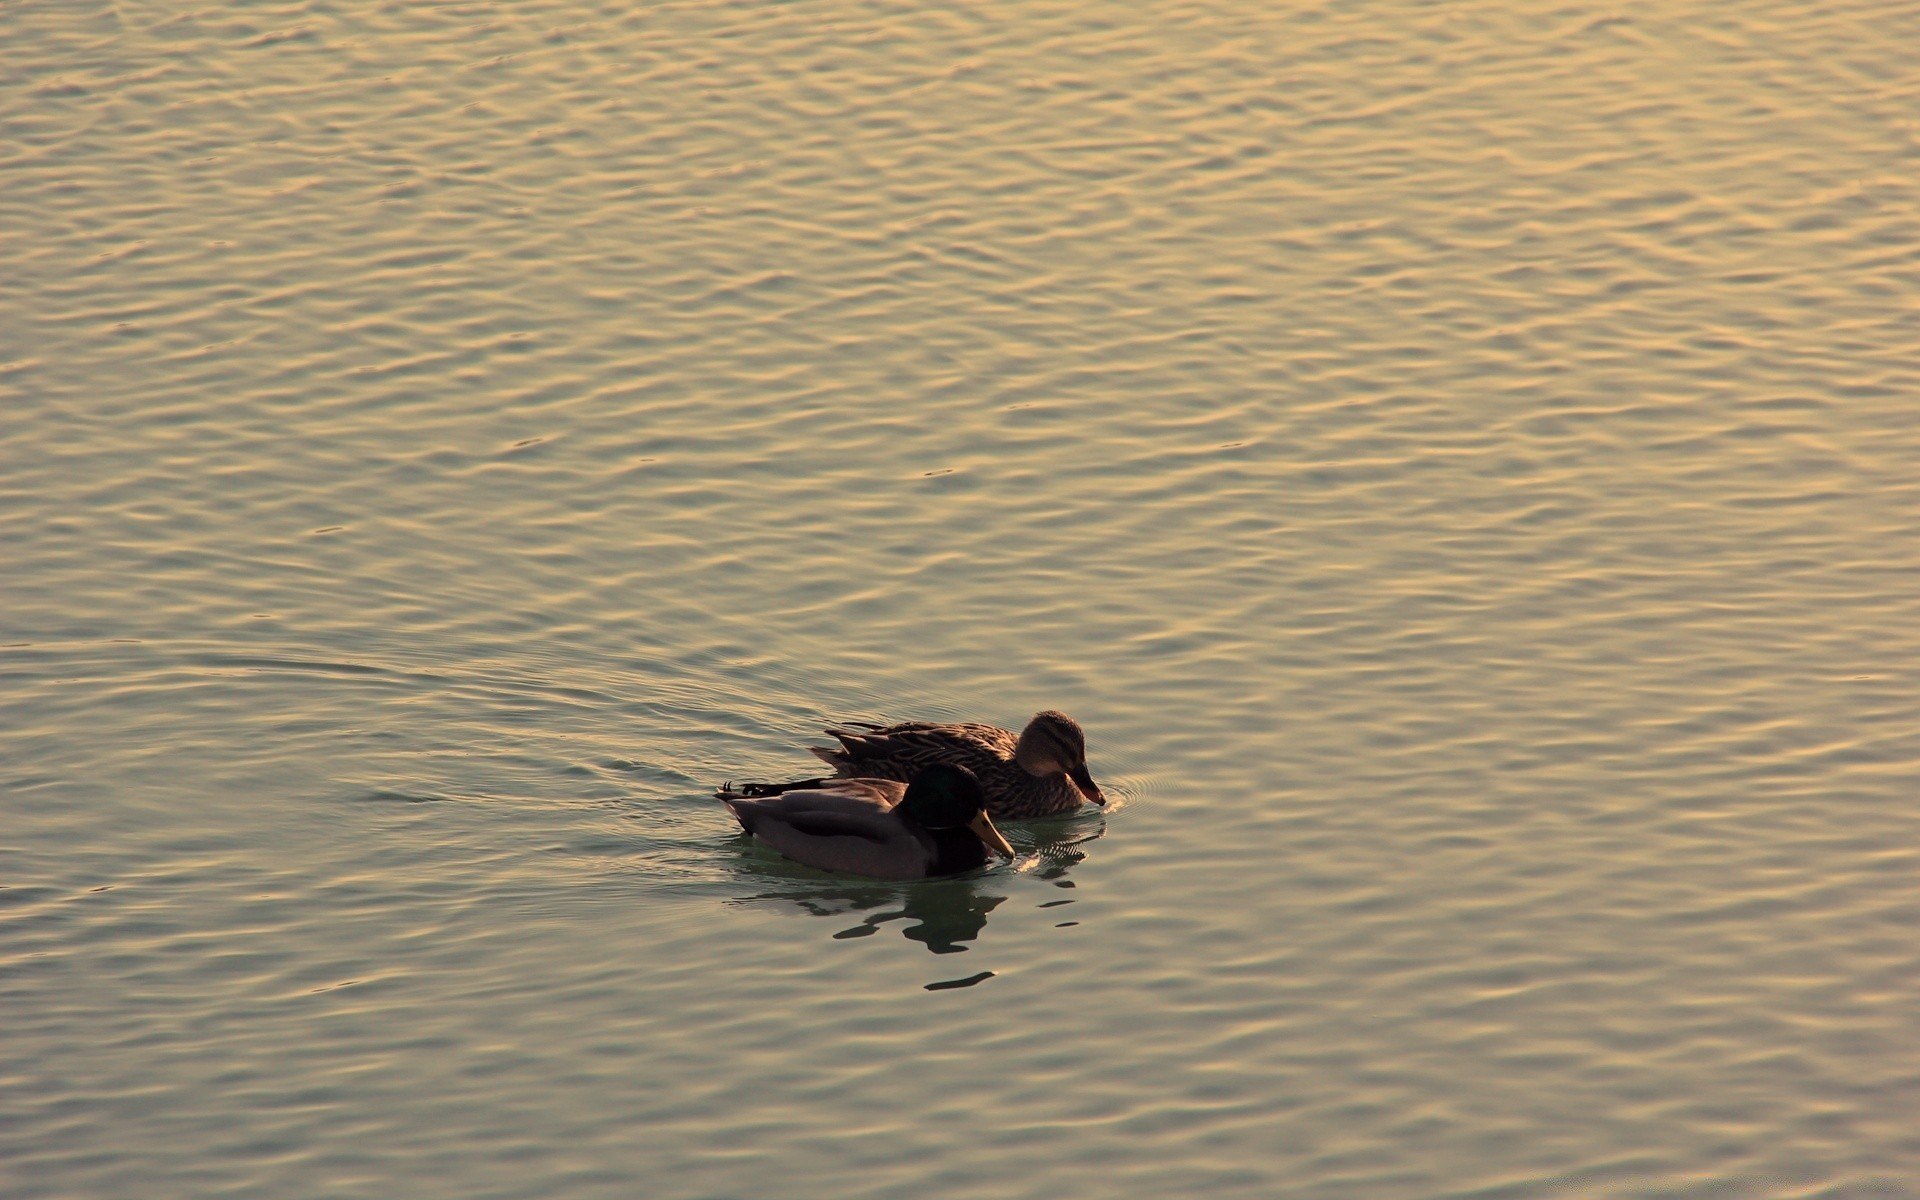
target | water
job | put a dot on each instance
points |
(1458, 463)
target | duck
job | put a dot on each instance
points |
(1039, 772)
(936, 824)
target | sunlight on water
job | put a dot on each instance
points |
(1457, 462)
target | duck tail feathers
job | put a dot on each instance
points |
(760, 791)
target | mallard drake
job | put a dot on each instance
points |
(934, 825)
(1038, 773)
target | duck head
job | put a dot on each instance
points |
(945, 796)
(1053, 744)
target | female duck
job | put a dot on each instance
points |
(1040, 772)
(935, 825)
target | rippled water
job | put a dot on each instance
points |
(1459, 462)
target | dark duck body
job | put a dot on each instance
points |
(881, 828)
(1039, 772)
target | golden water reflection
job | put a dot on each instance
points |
(945, 915)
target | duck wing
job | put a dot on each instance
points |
(851, 829)
(854, 797)
(901, 750)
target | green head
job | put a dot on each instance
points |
(946, 796)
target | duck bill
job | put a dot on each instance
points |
(983, 825)
(1085, 783)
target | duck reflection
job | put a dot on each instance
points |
(944, 915)
(941, 917)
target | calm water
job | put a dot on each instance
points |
(1461, 463)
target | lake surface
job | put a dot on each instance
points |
(1460, 463)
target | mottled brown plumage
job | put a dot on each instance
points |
(1036, 773)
